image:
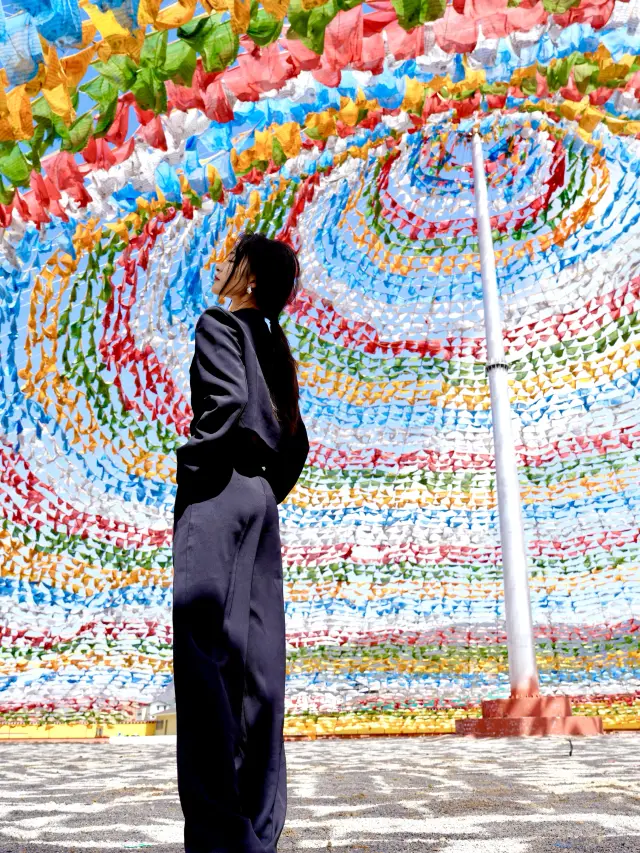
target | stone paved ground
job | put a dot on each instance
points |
(381, 795)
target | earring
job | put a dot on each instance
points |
(249, 288)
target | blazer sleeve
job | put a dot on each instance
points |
(285, 468)
(219, 395)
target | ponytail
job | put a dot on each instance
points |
(284, 387)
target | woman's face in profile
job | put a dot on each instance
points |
(235, 285)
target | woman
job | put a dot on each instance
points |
(247, 448)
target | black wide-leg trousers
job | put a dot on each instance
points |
(229, 666)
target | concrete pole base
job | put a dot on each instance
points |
(522, 716)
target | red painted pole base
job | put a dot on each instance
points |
(529, 715)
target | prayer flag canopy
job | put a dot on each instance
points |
(137, 139)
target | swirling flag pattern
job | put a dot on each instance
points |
(343, 130)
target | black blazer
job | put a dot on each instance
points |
(233, 416)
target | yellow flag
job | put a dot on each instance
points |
(16, 120)
(176, 15)
(55, 87)
(262, 146)
(104, 22)
(413, 96)
(240, 15)
(148, 12)
(277, 8)
(348, 112)
(324, 123)
(216, 5)
(75, 66)
(288, 135)
(59, 100)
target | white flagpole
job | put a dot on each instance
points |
(523, 674)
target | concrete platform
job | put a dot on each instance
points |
(442, 794)
(522, 716)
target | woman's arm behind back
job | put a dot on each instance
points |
(285, 467)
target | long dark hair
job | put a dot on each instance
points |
(276, 269)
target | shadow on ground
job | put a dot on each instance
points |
(380, 795)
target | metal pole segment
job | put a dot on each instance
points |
(523, 674)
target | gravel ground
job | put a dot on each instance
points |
(381, 795)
